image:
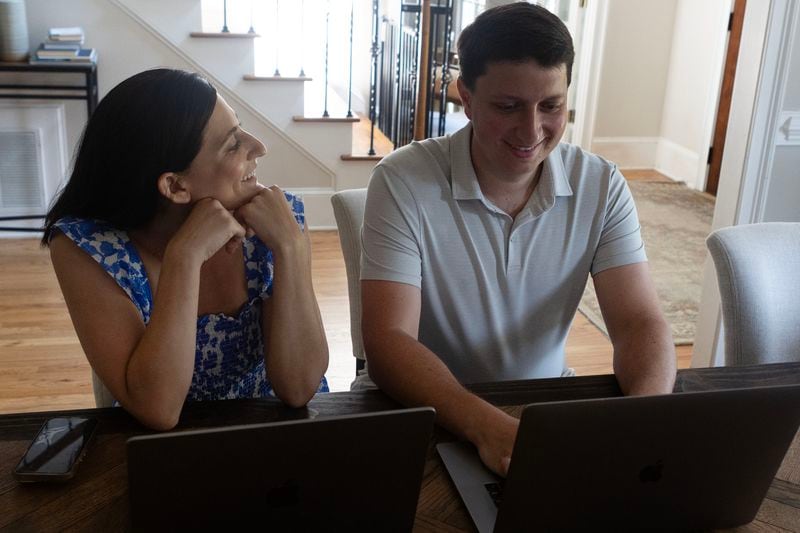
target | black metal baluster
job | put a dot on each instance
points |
(302, 37)
(225, 17)
(433, 36)
(446, 79)
(350, 83)
(373, 85)
(397, 85)
(414, 77)
(327, 36)
(277, 72)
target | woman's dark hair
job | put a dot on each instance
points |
(514, 32)
(149, 124)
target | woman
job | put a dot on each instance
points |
(185, 279)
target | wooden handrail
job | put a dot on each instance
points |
(423, 70)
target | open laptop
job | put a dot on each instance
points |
(348, 473)
(695, 460)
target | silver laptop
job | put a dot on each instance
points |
(347, 473)
(695, 460)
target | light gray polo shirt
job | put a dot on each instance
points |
(498, 294)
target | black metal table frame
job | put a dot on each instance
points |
(88, 92)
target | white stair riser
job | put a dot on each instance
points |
(279, 100)
(330, 140)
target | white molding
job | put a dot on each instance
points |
(677, 162)
(788, 128)
(770, 97)
(627, 152)
(712, 102)
(318, 201)
(767, 38)
(590, 65)
(231, 94)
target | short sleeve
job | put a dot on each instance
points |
(390, 234)
(620, 239)
(113, 250)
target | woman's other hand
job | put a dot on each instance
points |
(208, 228)
(269, 216)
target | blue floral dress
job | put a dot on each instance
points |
(229, 355)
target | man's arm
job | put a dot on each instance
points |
(409, 372)
(644, 354)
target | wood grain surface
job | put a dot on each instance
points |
(96, 499)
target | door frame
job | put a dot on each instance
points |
(758, 94)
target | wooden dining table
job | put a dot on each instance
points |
(96, 499)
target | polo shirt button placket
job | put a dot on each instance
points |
(513, 263)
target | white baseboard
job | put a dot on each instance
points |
(669, 158)
(677, 162)
(627, 152)
(319, 212)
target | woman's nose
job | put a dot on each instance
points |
(258, 149)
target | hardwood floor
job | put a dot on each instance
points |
(42, 366)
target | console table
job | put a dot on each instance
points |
(38, 91)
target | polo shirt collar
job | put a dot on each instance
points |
(464, 182)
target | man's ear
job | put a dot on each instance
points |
(173, 188)
(466, 97)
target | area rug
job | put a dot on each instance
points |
(675, 222)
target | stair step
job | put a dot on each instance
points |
(351, 157)
(253, 77)
(325, 119)
(221, 35)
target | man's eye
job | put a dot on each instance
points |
(506, 107)
(236, 145)
(551, 107)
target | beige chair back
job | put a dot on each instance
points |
(348, 208)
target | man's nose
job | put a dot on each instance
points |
(530, 127)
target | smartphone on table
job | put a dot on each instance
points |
(56, 450)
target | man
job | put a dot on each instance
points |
(478, 246)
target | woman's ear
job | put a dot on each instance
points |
(172, 187)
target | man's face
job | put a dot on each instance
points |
(519, 113)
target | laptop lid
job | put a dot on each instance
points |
(695, 460)
(355, 472)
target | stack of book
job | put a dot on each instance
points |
(64, 45)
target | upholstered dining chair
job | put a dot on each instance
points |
(758, 273)
(348, 209)
(102, 396)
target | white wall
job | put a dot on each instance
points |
(633, 79)
(659, 84)
(692, 92)
(758, 179)
(301, 158)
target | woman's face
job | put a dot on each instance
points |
(225, 167)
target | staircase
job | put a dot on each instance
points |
(308, 154)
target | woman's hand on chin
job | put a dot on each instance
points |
(208, 228)
(269, 216)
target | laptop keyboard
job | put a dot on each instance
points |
(495, 491)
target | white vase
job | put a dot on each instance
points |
(13, 31)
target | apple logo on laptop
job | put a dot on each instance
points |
(651, 473)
